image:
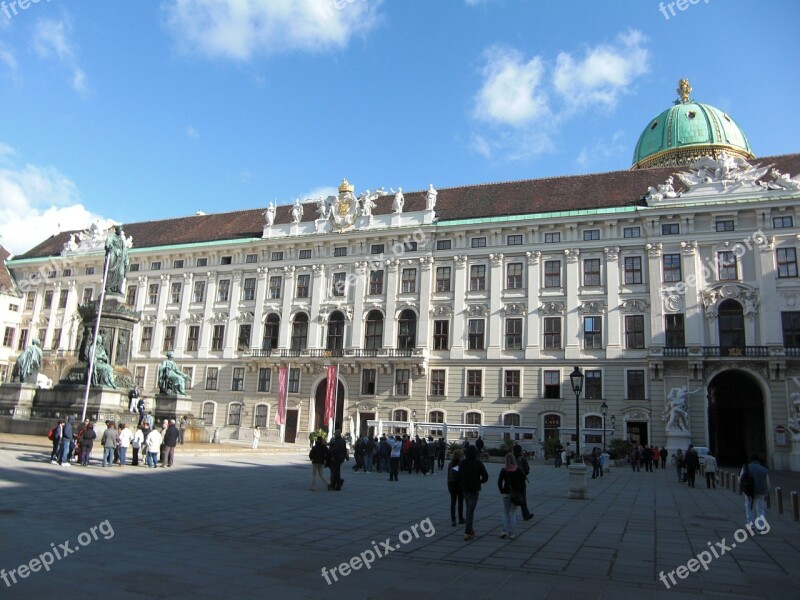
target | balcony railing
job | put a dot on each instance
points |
(323, 353)
(676, 352)
(794, 352)
(735, 351)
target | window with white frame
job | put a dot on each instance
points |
(408, 282)
(592, 333)
(552, 237)
(401, 381)
(249, 289)
(223, 290)
(208, 412)
(634, 331)
(477, 278)
(237, 381)
(212, 377)
(514, 276)
(474, 383)
(262, 412)
(437, 380)
(442, 279)
(552, 274)
(786, 262)
(633, 269)
(475, 334)
(591, 272)
(726, 266)
(234, 414)
(552, 384)
(264, 379)
(175, 292)
(199, 294)
(593, 384)
(294, 381)
(513, 334)
(512, 383)
(635, 384)
(552, 333)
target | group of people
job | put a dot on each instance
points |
(687, 464)
(157, 445)
(418, 454)
(647, 457)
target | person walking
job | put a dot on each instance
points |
(182, 425)
(171, 437)
(109, 443)
(396, 444)
(510, 482)
(454, 487)
(318, 456)
(471, 474)
(441, 449)
(57, 434)
(522, 463)
(133, 399)
(140, 406)
(87, 441)
(711, 471)
(692, 463)
(663, 454)
(754, 483)
(647, 458)
(256, 437)
(136, 444)
(153, 443)
(677, 462)
(337, 454)
(557, 450)
(124, 437)
(595, 462)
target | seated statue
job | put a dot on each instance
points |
(28, 363)
(170, 378)
(102, 371)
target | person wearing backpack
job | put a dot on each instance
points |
(754, 484)
(511, 483)
(522, 462)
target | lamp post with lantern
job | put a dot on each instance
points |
(577, 470)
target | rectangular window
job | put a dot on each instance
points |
(552, 238)
(175, 292)
(8, 337)
(670, 229)
(193, 338)
(62, 298)
(514, 276)
(368, 377)
(31, 296)
(294, 381)
(249, 289)
(635, 383)
(208, 412)
(264, 379)
(672, 268)
(277, 255)
(513, 334)
(199, 294)
(634, 331)
(726, 265)
(376, 282)
(245, 334)
(477, 278)
(223, 290)
(408, 283)
(251, 258)
(474, 383)
(476, 333)
(23, 339)
(147, 339)
(790, 321)
(592, 333)
(442, 279)
(177, 264)
(169, 338)
(155, 265)
(212, 374)
(552, 384)
(512, 383)
(218, 338)
(138, 378)
(48, 299)
(152, 294)
(201, 262)
(90, 270)
(237, 381)
(189, 372)
(340, 251)
(593, 389)
(304, 254)
(590, 235)
(514, 240)
(552, 333)
(226, 260)
(401, 378)
(275, 286)
(591, 272)
(478, 242)
(339, 284)
(437, 382)
(13, 307)
(782, 222)
(444, 244)
(724, 225)
(410, 246)
(130, 295)
(552, 274)
(674, 331)
(631, 232)
(787, 262)
(303, 286)
(441, 335)
(633, 269)
(377, 248)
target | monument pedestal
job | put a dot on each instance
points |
(16, 399)
(678, 440)
(172, 406)
(577, 482)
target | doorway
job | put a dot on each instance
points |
(637, 432)
(292, 415)
(319, 406)
(736, 427)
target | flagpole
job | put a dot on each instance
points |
(90, 362)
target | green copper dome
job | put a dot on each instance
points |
(687, 131)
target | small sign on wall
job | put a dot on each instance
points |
(780, 435)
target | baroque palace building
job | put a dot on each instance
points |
(462, 311)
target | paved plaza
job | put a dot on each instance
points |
(237, 523)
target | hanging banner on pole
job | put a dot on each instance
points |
(330, 395)
(283, 390)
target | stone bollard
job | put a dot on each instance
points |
(795, 507)
(727, 478)
(779, 499)
(735, 481)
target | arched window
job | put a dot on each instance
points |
(436, 416)
(300, 332)
(335, 331)
(373, 338)
(473, 418)
(407, 330)
(262, 412)
(271, 328)
(511, 419)
(234, 413)
(552, 424)
(731, 325)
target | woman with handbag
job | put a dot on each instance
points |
(511, 484)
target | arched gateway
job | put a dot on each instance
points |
(736, 427)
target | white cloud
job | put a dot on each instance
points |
(192, 133)
(240, 29)
(36, 202)
(319, 192)
(510, 92)
(51, 41)
(602, 149)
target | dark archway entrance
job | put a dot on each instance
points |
(319, 406)
(736, 428)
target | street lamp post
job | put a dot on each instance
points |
(604, 412)
(577, 470)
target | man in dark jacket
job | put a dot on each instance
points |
(471, 474)
(522, 463)
(66, 441)
(692, 463)
(171, 437)
(337, 454)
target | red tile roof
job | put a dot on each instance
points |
(532, 196)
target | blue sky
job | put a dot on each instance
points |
(145, 110)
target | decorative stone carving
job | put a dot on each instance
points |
(496, 259)
(187, 278)
(165, 278)
(782, 181)
(515, 309)
(92, 239)
(393, 265)
(533, 257)
(237, 275)
(269, 214)
(592, 307)
(725, 170)
(658, 193)
(572, 255)
(430, 198)
(441, 310)
(245, 317)
(297, 211)
(261, 272)
(634, 306)
(220, 317)
(553, 308)
(636, 415)
(653, 250)
(319, 270)
(689, 248)
(399, 202)
(477, 310)
(460, 261)
(288, 271)
(612, 254)
(426, 262)
(672, 302)
(790, 299)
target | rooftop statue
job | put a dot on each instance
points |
(399, 201)
(117, 257)
(297, 211)
(368, 204)
(102, 371)
(26, 367)
(269, 214)
(430, 198)
(324, 209)
(782, 181)
(171, 379)
(665, 190)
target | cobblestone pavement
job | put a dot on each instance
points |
(245, 525)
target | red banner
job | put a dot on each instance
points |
(283, 389)
(330, 396)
